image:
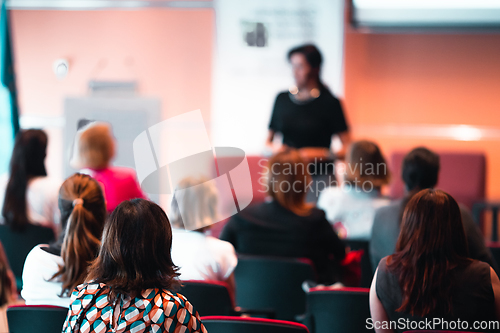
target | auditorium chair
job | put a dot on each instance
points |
(210, 298)
(220, 324)
(366, 266)
(272, 285)
(36, 318)
(18, 244)
(343, 310)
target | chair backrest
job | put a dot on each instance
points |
(366, 266)
(17, 245)
(210, 298)
(342, 310)
(463, 175)
(272, 284)
(219, 324)
(36, 318)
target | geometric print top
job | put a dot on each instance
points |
(156, 310)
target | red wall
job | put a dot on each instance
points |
(406, 80)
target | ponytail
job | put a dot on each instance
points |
(79, 248)
(83, 212)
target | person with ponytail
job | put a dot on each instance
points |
(27, 195)
(51, 272)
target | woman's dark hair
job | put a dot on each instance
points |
(83, 213)
(431, 244)
(420, 169)
(366, 164)
(7, 293)
(27, 161)
(135, 250)
(310, 52)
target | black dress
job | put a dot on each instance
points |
(308, 124)
(472, 297)
(269, 229)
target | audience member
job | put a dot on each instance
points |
(27, 194)
(199, 257)
(287, 226)
(51, 272)
(431, 275)
(128, 284)
(420, 170)
(8, 290)
(353, 204)
(93, 151)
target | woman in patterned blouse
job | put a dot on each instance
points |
(129, 282)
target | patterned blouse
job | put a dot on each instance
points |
(156, 310)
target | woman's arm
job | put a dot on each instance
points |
(377, 309)
(495, 285)
(345, 138)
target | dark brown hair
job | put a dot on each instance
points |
(83, 213)
(27, 161)
(431, 243)
(365, 163)
(6, 279)
(288, 178)
(135, 250)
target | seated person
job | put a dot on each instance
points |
(8, 290)
(287, 226)
(353, 204)
(51, 272)
(93, 151)
(420, 171)
(199, 257)
(430, 276)
(27, 194)
(128, 284)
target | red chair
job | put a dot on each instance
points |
(210, 298)
(343, 310)
(463, 175)
(221, 324)
(36, 318)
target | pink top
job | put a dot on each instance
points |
(119, 184)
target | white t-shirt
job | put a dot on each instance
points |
(41, 199)
(202, 257)
(39, 268)
(353, 208)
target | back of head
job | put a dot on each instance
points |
(83, 214)
(135, 250)
(194, 205)
(365, 163)
(420, 169)
(27, 161)
(431, 243)
(288, 176)
(94, 146)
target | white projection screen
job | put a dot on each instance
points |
(426, 13)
